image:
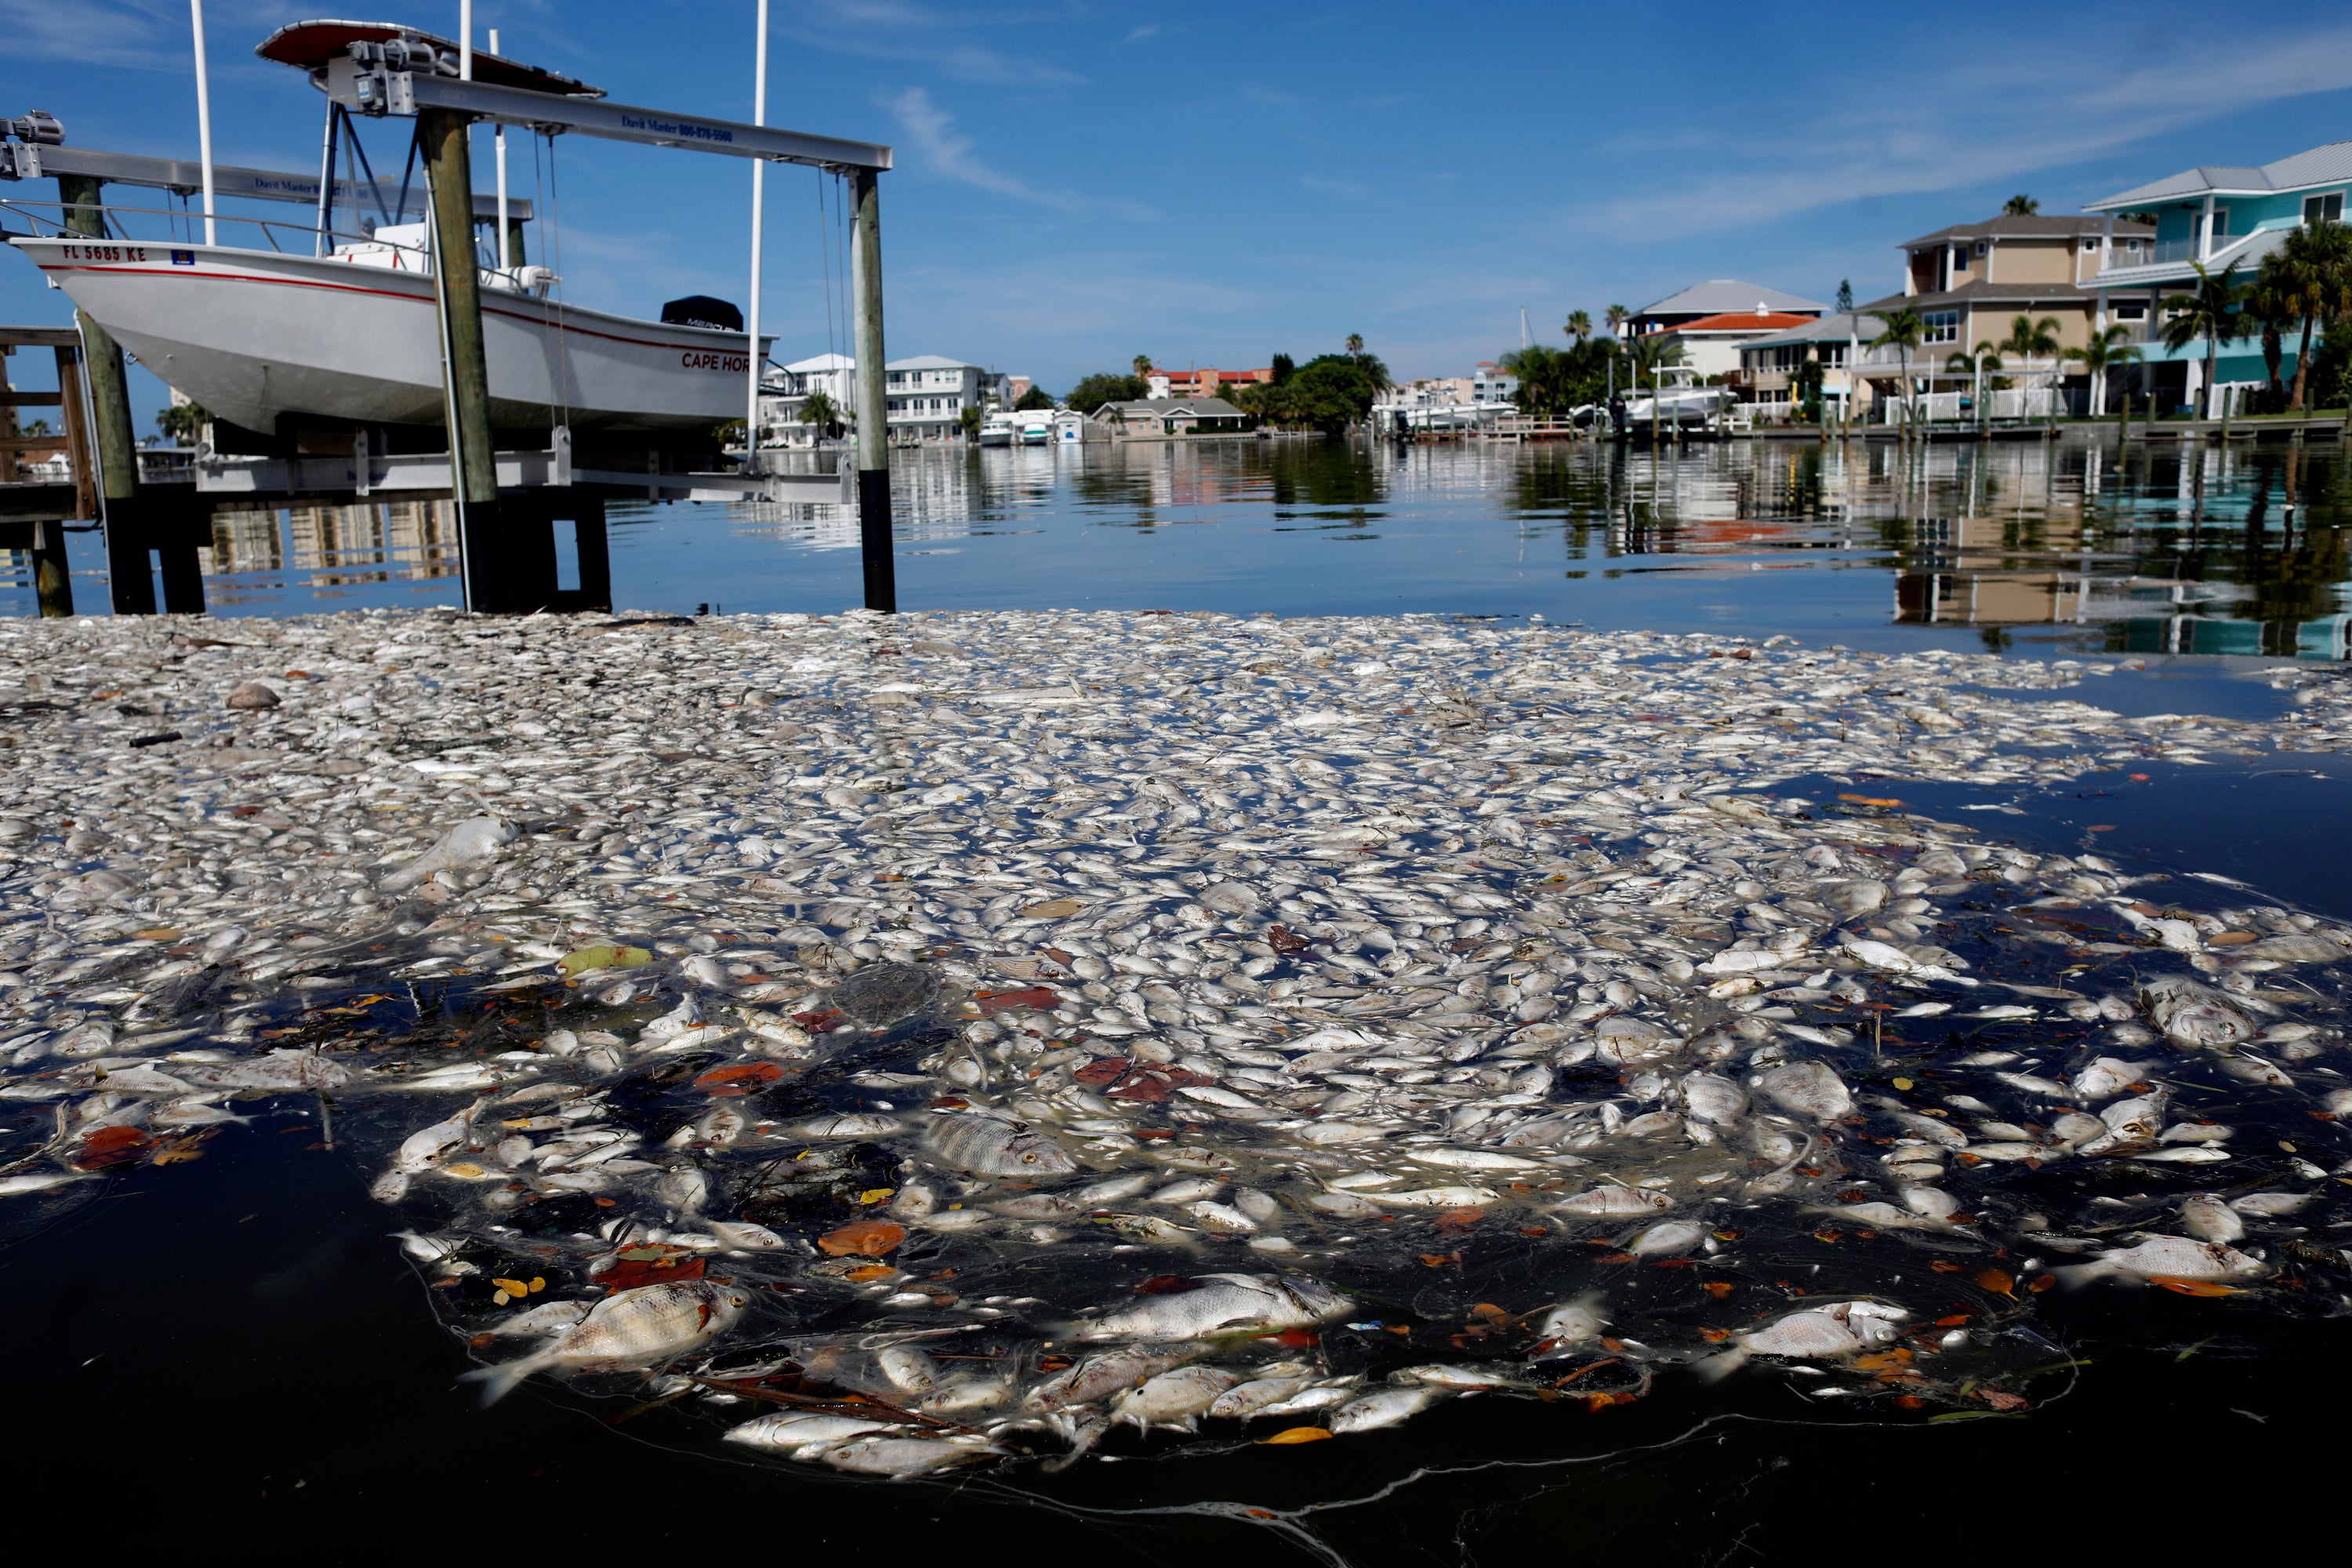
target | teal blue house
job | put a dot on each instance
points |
(2216, 217)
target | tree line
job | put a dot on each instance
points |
(1328, 393)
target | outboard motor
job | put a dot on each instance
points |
(702, 311)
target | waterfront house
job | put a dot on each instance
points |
(1203, 381)
(1159, 418)
(1769, 366)
(2214, 216)
(1710, 344)
(1970, 281)
(1716, 297)
(927, 395)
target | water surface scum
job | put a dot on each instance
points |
(982, 1039)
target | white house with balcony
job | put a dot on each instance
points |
(2216, 217)
(927, 396)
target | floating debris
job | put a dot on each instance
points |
(920, 1051)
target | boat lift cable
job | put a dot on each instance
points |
(563, 398)
(415, 141)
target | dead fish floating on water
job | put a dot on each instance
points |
(798, 981)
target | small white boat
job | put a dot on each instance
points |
(996, 431)
(1036, 427)
(252, 334)
(1680, 402)
(355, 334)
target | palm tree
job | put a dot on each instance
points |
(1142, 364)
(819, 409)
(1579, 325)
(1902, 328)
(2209, 311)
(2033, 340)
(2020, 206)
(1617, 316)
(2314, 270)
(2268, 309)
(2106, 351)
(1976, 364)
(1355, 344)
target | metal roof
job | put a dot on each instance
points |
(1719, 295)
(2330, 164)
(1835, 328)
(2025, 226)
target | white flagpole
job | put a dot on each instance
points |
(465, 40)
(203, 117)
(759, 197)
(502, 139)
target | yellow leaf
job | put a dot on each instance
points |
(874, 1195)
(536, 1284)
(467, 1169)
(604, 955)
(175, 1154)
(1053, 909)
(1903, 1083)
(512, 1287)
(1296, 1434)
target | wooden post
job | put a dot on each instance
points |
(465, 371)
(872, 396)
(130, 581)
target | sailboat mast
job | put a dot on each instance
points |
(499, 137)
(759, 199)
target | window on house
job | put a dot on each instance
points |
(1943, 326)
(2128, 310)
(2089, 246)
(1982, 248)
(2220, 223)
(2329, 208)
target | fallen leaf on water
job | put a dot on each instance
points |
(741, 1078)
(1293, 1338)
(2229, 937)
(176, 1154)
(1598, 1402)
(1718, 1289)
(1039, 998)
(863, 1238)
(1296, 1435)
(1944, 1266)
(605, 955)
(1908, 1402)
(1053, 909)
(866, 1272)
(2001, 1400)
(1997, 1281)
(2193, 1287)
(876, 1194)
(1883, 1361)
(512, 1287)
(1887, 801)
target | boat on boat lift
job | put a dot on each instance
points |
(351, 331)
(997, 429)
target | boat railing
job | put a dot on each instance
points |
(189, 223)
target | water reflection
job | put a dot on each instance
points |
(2156, 549)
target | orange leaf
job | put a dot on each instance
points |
(1598, 1402)
(863, 1238)
(867, 1272)
(1955, 1320)
(1883, 1361)
(2041, 1282)
(1715, 1336)
(2193, 1287)
(1040, 998)
(2229, 937)
(1296, 1435)
(1871, 800)
(1943, 1267)
(1908, 1402)
(1718, 1289)
(1996, 1281)
(727, 1082)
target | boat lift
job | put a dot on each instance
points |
(375, 69)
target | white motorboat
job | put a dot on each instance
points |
(1681, 401)
(1036, 427)
(354, 334)
(252, 334)
(996, 431)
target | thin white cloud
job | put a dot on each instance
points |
(2037, 115)
(128, 35)
(945, 150)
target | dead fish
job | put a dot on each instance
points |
(803, 1433)
(886, 1455)
(424, 1148)
(2208, 1218)
(1106, 1373)
(991, 1145)
(2166, 1258)
(2192, 1014)
(1610, 1201)
(1177, 1398)
(1385, 1408)
(1820, 1333)
(1712, 1098)
(1809, 1088)
(1671, 1239)
(632, 1328)
(471, 842)
(1223, 1304)
(2108, 1076)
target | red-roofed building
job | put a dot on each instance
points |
(1202, 381)
(1711, 343)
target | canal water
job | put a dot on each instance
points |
(233, 1351)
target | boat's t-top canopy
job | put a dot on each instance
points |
(312, 45)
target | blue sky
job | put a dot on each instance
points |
(1079, 183)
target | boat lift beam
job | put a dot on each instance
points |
(28, 162)
(443, 106)
(380, 90)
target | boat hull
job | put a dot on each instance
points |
(251, 335)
